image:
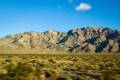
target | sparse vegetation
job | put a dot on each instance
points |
(60, 67)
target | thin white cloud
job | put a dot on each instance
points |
(83, 7)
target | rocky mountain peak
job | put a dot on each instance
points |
(90, 39)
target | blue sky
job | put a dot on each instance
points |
(61, 15)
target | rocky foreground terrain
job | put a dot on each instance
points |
(88, 39)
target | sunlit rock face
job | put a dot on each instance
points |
(90, 39)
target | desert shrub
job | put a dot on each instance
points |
(22, 71)
(64, 78)
(47, 74)
(51, 60)
(39, 72)
(2, 74)
(8, 60)
(109, 74)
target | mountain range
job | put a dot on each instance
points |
(89, 39)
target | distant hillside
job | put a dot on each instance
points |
(76, 40)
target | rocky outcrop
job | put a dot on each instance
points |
(88, 39)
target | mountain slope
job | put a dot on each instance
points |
(76, 40)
